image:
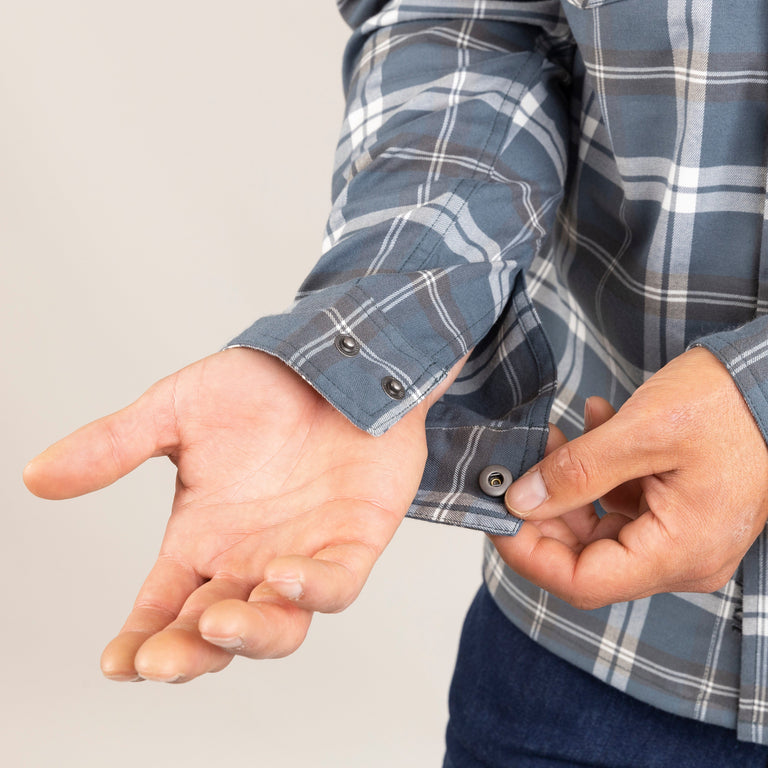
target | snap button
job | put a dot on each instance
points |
(347, 345)
(393, 387)
(494, 480)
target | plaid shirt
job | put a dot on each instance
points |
(577, 190)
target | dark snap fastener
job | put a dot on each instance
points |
(347, 345)
(393, 387)
(494, 480)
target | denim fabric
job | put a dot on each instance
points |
(514, 704)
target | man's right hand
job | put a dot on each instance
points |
(282, 506)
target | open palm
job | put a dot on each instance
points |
(281, 508)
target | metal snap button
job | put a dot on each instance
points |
(347, 345)
(494, 480)
(393, 388)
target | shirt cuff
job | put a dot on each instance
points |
(744, 352)
(344, 346)
(340, 341)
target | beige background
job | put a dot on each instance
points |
(164, 179)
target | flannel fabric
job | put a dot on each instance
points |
(576, 189)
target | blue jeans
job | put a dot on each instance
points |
(514, 704)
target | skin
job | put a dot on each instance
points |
(682, 471)
(282, 506)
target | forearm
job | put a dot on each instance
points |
(450, 165)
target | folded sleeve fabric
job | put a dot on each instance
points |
(450, 166)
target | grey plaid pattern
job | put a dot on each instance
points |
(576, 190)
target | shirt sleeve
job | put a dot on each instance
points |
(744, 352)
(449, 169)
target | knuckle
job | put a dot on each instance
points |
(653, 425)
(572, 469)
(162, 400)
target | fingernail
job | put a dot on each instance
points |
(291, 589)
(173, 679)
(125, 678)
(230, 643)
(526, 494)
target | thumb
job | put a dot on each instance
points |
(581, 471)
(106, 449)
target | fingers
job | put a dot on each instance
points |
(327, 582)
(267, 626)
(178, 652)
(626, 501)
(101, 452)
(582, 471)
(589, 562)
(160, 639)
(597, 411)
(581, 558)
(159, 601)
(555, 439)
(605, 571)
(172, 638)
(539, 546)
(275, 620)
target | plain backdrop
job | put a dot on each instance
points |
(164, 180)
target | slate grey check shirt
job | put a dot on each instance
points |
(577, 190)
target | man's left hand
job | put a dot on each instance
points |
(682, 473)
